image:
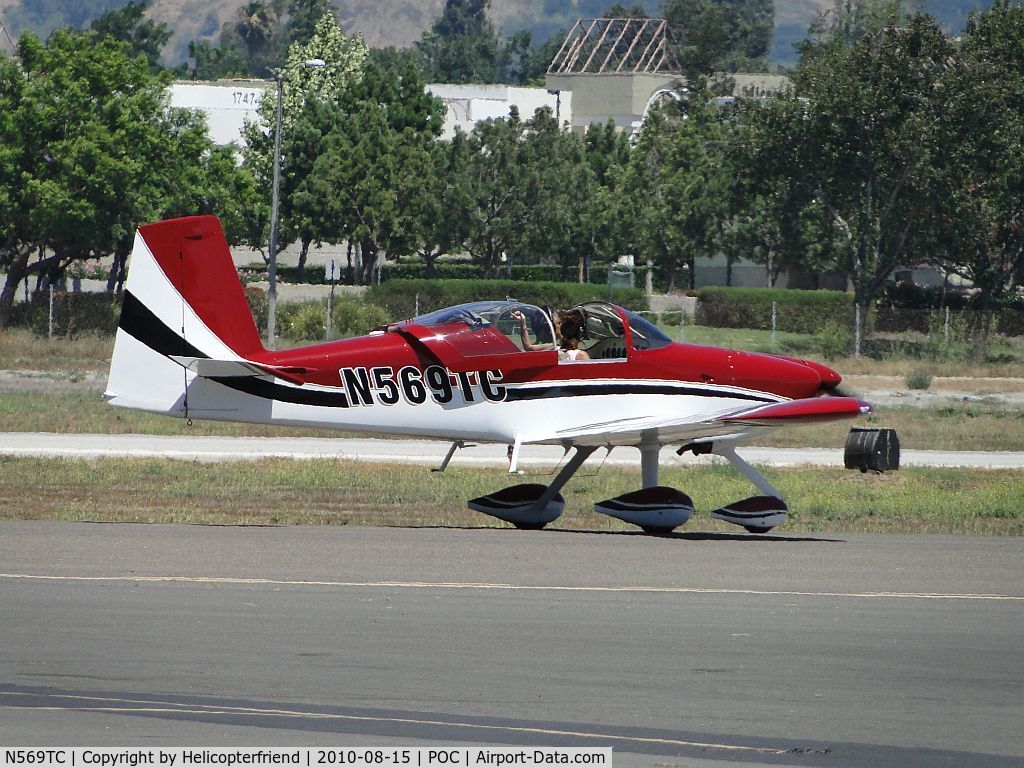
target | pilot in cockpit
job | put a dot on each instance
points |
(570, 327)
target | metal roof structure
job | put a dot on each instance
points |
(616, 46)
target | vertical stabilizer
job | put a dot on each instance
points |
(182, 298)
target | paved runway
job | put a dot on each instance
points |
(430, 452)
(690, 650)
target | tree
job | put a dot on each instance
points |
(303, 17)
(558, 185)
(978, 230)
(302, 133)
(774, 218)
(675, 185)
(862, 124)
(607, 154)
(461, 46)
(442, 217)
(847, 21)
(369, 181)
(496, 208)
(727, 36)
(144, 37)
(215, 62)
(90, 151)
(258, 27)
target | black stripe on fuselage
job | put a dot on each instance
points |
(632, 388)
(270, 390)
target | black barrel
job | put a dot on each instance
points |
(874, 449)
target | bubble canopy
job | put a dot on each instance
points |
(493, 327)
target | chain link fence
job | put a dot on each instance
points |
(826, 332)
(884, 333)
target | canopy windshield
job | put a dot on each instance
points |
(487, 327)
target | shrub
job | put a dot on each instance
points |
(315, 274)
(944, 343)
(73, 313)
(919, 378)
(259, 306)
(673, 317)
(302, 321)
(354, 317)
(834, 341)
(465, 270)
(1010, 322)
(799, 311)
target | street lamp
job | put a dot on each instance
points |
(558, 105)
(274, 204)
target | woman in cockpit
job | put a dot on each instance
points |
(569, 326)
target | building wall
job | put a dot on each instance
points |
(467, 105)
(227, 104)
(597, 98)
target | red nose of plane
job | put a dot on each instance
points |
(782, 375)
(829, 378)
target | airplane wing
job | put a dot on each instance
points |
(733, 426)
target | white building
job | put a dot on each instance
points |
(467, 105)
(227, 104)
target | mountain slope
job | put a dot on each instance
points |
(404, 21)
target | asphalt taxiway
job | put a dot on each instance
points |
(687, 650)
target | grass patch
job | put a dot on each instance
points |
(351, 493)
(87, 413)
(20, 349)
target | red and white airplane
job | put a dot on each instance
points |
(187, 347)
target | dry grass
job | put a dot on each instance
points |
(351, 493)
(974, 385)
(23, 350)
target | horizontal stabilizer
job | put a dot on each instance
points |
(215, 369)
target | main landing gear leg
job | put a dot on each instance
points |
(758, 514)
(748, 471)
(531, 505)
(650, 448)
(571, 467)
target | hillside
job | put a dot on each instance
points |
(405, 20)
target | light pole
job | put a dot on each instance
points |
(274, 205)
(558, 105)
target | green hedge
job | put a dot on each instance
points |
(399, 296)
(73, 313)
(798, 311)
(444, 270)
(314, 274)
